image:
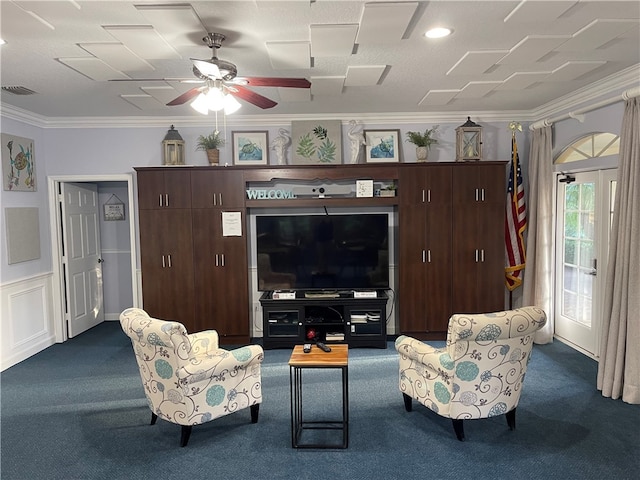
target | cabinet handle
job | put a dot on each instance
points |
(220, 198)
(482, 255)
(429, 196)
(476, 255)
(482, 194)
(214, 199)
(169, 257)
(160, 200)
(423, 195)
(429, 256)
(166, 199)
(163, 264)
(217, 263)
(222, 260)
(423, 256)
(477, 194)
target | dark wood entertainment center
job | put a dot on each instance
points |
(450, 253)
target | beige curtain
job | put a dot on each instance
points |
(619, 367)
(538, 273)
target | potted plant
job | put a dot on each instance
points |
(210, 144)
(423, 142)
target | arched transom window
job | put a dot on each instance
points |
(590, 146)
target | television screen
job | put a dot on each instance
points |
(327, 252)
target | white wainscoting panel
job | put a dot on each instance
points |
(27, 319)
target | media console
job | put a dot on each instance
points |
(329, 316)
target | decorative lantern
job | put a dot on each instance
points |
(468, 141)
(173, 148)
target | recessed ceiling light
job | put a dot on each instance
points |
(438, 32)
(2, 42)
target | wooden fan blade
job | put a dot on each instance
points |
(185, 97)
(252, 97)
(206, 68)
(278, 82)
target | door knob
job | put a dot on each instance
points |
(100, 260)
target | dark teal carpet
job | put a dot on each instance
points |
(77, 411)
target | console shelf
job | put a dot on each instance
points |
(341, 319)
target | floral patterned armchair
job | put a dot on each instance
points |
(480, 371)
(188, 379)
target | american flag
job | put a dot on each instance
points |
(515, 223)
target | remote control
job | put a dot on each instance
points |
(306, 348)
(323, 347)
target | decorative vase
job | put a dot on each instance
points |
(213, 155)
(422, 153)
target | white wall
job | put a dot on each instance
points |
(26, 324)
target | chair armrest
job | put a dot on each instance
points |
(427, 355)
(204, 343)
(220, 364)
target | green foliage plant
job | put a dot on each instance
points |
(425, 139)
(210, 142)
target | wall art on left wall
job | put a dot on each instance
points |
(18, 164)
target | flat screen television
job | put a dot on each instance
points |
(322, 252)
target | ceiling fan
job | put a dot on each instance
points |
(220, 78)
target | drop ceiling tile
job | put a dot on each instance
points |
(477, 62)
(289, 55)
(92, 67)
(384, 22)
(438, 97)
(477, 89)
(522, 80)
(332, 40)
(143, 40)
(532, 48)
(363, 75)
(176, 23)
(596, 34)
(294, 94)
(326, 85)
(162, 93)
(572, 70)
(143, 102)
(118, 56)
(538, 12)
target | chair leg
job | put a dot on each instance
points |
(186, 433)
(154, 417)
(458, 427)
(407, 402)
(511, 419)
(255, 409)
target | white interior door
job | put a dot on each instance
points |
(81, 257)
(584, 213)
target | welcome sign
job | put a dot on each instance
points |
(272, 194)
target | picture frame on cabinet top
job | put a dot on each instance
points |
(250, 148)
(382, 146)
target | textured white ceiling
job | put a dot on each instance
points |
(361, 57)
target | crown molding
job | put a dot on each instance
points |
(592, 93)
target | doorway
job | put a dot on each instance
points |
(584, 210)
(118, 254)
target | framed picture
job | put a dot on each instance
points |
(113, 209)
(382, 146)
(250, 148)
(316, 142)
(18, 164)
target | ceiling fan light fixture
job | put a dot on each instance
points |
(215, 99)
(231, 105)
(438, 32)
(200, 104)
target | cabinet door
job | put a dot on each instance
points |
(166, 258)
(425, 249)
(160, 189)
(221, 278)
(479, 195)
(217, 188)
